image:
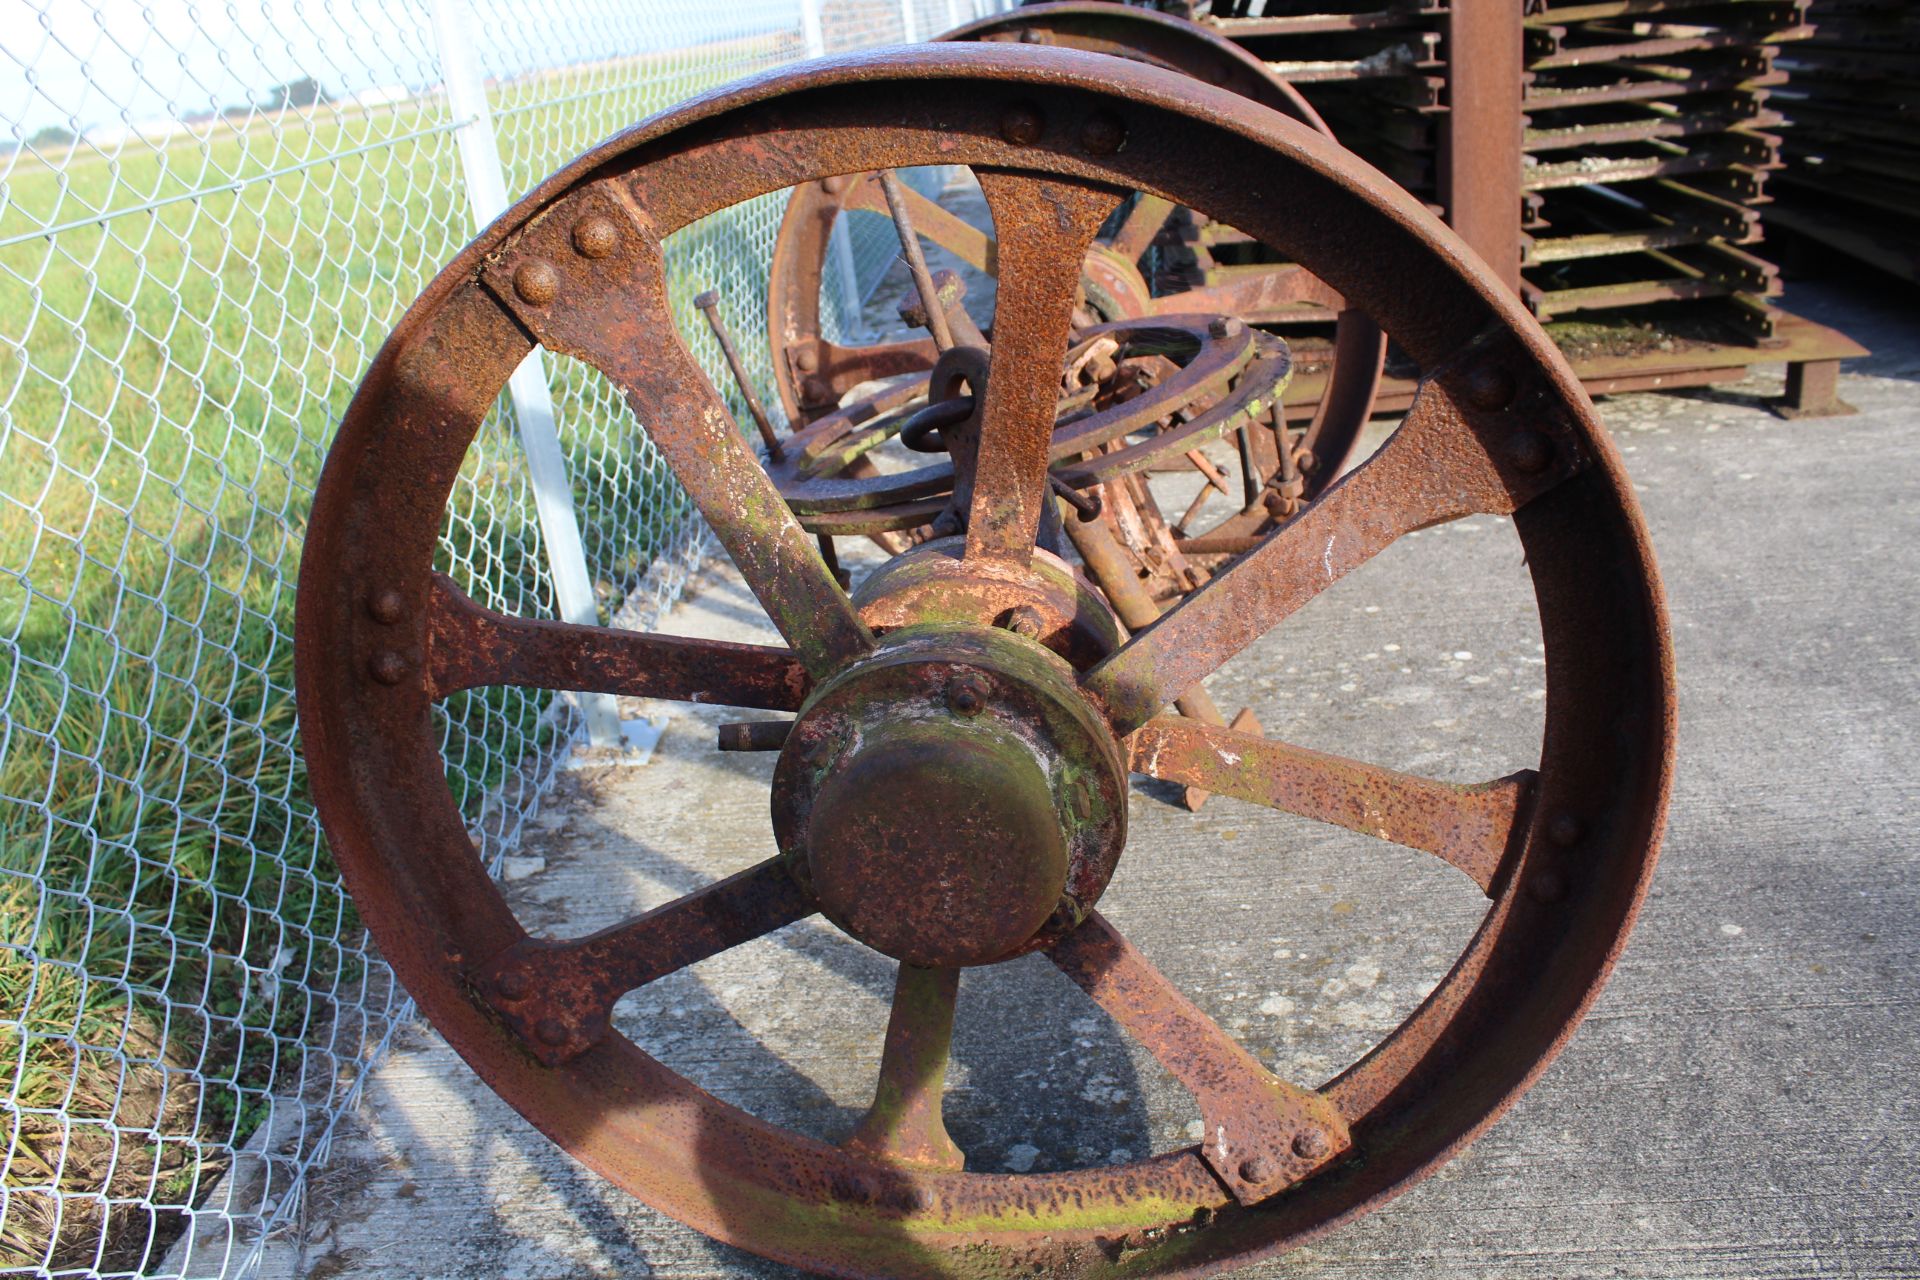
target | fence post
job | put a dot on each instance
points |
(528, 388)
(953, 14)
(810, 35)
(909, 26)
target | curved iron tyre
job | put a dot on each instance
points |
(812, 373)
(1499, 425)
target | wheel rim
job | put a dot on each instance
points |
(1500, 424)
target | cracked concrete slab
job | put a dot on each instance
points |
(1742, 1102)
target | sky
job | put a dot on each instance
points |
(101, 62)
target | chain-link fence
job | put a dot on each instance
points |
(209, 219)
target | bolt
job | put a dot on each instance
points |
(1224, 326)
(1311, 1144)
(536, 282)
(1102, 134)
(1489, 387)
(513, 985)
(596, 237)
(806, 359)
(1025, 620)
(1259, 1169)
(1069, 914)
(834, 185)
(1530, 452)
(1021, 124)
(1564, 830)
(1030, 36)
(388, 667)
(966, 695)
(1304, 459)
(551, 1032)
(1083, 800)
(1546, 886)
(387, 606)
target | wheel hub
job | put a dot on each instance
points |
(953, 800)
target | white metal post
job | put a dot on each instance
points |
(810, 34)
(528, 388)
(909, 26)
(953, 14)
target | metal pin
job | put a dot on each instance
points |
(916, 261)
(709, 302)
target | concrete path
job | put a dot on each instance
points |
(1744, 1101)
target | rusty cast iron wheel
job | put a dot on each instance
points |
(812, 373)
(1563, 850)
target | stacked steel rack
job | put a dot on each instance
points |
(1609, 158)
(1852, 174)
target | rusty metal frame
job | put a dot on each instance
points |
(1500, 424)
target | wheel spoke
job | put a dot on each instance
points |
(1436, 467)
(1141, 225)
(1472, 827)
(558, 995)
(904, 1124)
(588, 281)
(1044, 227)
(1254, 297)
(470, 647)
(932, 221)
(1262, 1133)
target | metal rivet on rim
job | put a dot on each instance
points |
(387, 606)
(1530, 452)
(1564, 830)
(551, 1032)
(1257, 1169)
(513, 985)
(1225, 326)
(1311, 1144)
(965, 695)
(388, 667)
(806, 359)
(834, 185)
(536, 282)
(1102, 134)
(1489, 387)
(1547, 886)
(1021, 124)
(595, 237)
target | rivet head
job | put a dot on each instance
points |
(1547, 886)
(596, 236)
(1530, 452)
(1102, 134)
(513, 985)
(1021, 124)
(1564, 830)
(387, 606)
(1489, 387)
(551, 1032)
(836, 184)
(1225, 326)
(388, 667)
(1259, 1169)
(966, 695)
(806, 359)
(536, 282)
(1311, 1144)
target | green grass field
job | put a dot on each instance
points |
(175, 357)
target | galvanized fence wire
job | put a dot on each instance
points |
(209, 220)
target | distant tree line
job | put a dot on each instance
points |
(304, 92)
